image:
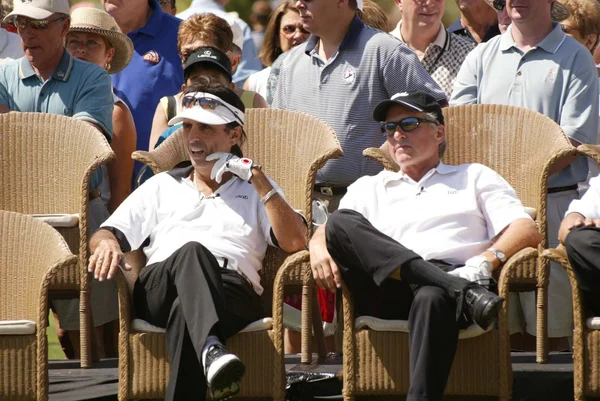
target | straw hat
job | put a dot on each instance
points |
(93, 20)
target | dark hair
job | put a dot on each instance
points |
(172, 2)
(228, 96)
(271, 48)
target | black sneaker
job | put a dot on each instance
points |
(224, 372)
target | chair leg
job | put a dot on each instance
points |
(86, 331)
(307, 323)
(542, 323)
(317, 326)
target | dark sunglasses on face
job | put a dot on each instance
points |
(499, 4)
(38, 24)
(207, 103)
(406, 124)
(290, 29)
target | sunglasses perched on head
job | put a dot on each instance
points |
(38, 24)
(290, 29)
(406, 124)
(499, 4)
(207, 103)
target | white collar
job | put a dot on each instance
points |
(440, 39)
(400, 176)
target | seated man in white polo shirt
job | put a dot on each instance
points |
(413, 244)
(580, 232)
(205, 227)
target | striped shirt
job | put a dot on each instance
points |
(369, 66)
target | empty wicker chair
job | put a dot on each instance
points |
(375, 350)
(46, 162)
(31, 254)
(291, 147)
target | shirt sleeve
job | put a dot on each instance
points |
(589, 204)
(4, 98)
(137, 216)
(402, 72)
(354, 199)
(579, 113)
(497, 200)
(464, 90)
(279, 98)
(95, 101)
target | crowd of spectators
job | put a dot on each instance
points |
(139, 70)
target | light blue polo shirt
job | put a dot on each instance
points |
(557, 78)
(155, 71)
(76, 89)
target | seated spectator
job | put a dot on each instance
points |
(414, 244)
(476, 22)
(95, 37)
(205, 246)
(259, 19)
(283, 32)
(168, 6)
(580, 232)
(441, 52)
(199, 31)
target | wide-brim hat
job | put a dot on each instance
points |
(38, 9)
(224, 113)
(94, 20)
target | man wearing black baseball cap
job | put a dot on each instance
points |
(417, 244)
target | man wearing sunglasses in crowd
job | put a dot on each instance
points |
(535, 65)
(414, 244)
(205, 227)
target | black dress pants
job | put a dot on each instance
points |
(366, 257)
(193, 297)
(583, 249)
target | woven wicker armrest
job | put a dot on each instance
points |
(559, 255)
(166, 156)
(592, 151)
(58, 220)
(380, 155)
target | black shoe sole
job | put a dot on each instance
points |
(489, 316)
(226, 382)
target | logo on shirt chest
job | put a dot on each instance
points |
(152, 57)
(349, 75)
(241, 197)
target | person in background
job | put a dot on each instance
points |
(168, 6)
(441, 52)
(373, 15)
(83, 4)
(249, 63)
(283, 32)
(476, 22)
(259, 18)
(95, 37)
(199, 31)
(7, 7)
(10, 44)
(155, 69)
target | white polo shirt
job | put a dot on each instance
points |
(451, 214)
(170, 211)
(589, 204)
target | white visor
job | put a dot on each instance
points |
(223, 113)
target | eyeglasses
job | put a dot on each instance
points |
(291, 29)
(90, 44)
(499, 4)
(38, 24)
(207, 103)
(406, 124)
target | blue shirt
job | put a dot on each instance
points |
(76, 89)
(250, 62)
(154, 71)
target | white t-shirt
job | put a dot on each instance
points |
(451, 214)
(170, 211)
(257, 82)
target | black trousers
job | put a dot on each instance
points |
(583, 249)
(193, 297)
(366, 257)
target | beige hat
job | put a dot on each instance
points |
(93, 20)
(38, 9)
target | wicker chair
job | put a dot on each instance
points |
(46, 162)
(376, 352)
(586, 333)
(31, 255)
(291, 148)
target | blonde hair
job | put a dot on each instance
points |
(373, 15)
(209, 28)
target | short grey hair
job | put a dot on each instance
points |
(442, 146)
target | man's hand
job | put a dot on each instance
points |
(227, 162)
(324, 270)
(573, 220)
(106, 259)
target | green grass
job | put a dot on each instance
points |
(54, 349)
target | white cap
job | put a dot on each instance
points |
(359, 4)
(238, 34)
(38, 9)
(224, 113)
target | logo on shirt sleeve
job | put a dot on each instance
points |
(152, 57)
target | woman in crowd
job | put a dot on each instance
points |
(95, 37)
(283, 32)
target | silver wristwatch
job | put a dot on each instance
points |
(498, 254)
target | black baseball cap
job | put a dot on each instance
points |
(210, 55)
(419, 101)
